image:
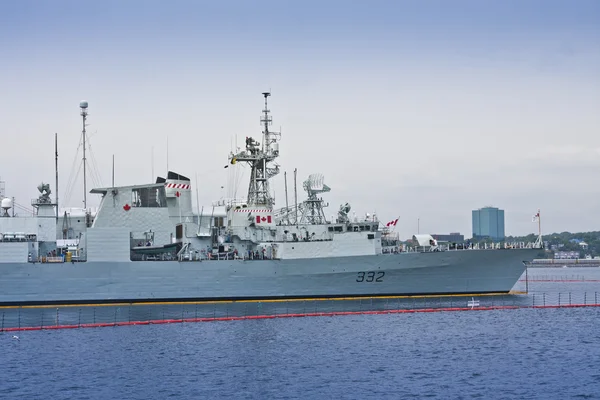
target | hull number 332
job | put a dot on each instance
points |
(371, 276)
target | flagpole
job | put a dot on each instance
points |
(540, 228)
(539, 243)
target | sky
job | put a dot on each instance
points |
(423, 110)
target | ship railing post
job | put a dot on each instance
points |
(559, 298)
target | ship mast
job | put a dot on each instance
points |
(84, 105)
(56, 170)
(262, 161)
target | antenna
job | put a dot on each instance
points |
(287, 207)
(152, 162)
(198, 202)
(56, 169)
(113, 171)
(296, 194)
(167, 155)
(266, 120)
(84, 105)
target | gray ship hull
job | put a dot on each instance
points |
(449, 272)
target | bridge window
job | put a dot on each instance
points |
(148, 197)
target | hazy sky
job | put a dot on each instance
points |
(418, 109)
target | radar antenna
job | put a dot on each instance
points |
(312, 212)
(261, 159)
(44, 189)
(343, 214)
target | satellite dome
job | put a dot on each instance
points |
(6, 203)
(83, 104)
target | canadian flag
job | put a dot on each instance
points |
(536, 217)
(261, 219)
(392, 223)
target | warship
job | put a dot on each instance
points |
(145, 243)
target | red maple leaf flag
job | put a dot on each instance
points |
(262, 219)
(392, 223)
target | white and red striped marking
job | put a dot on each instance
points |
(249, 210)
(177, 186)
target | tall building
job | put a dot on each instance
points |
(488, 222)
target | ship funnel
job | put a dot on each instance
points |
(178, 192)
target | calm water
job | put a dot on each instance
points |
(513, 354)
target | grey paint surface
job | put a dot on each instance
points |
(466, 271)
